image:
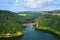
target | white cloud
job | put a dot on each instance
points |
(50, 0)
(36, 3)
(16, 1)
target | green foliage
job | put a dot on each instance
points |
(49, 22)
(8, 22)
(30, 16)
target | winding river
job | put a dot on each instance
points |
(32, 34)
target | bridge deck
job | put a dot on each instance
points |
(29, 23)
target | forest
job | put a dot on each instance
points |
(11, 22)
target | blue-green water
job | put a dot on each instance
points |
(32, 34)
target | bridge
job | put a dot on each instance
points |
(30, 23)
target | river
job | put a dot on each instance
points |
(32, 34)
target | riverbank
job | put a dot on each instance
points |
(7, 35)
(54, 30)
(50, 30)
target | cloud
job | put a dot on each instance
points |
(16, 1)
(50, 0)
(36, 3)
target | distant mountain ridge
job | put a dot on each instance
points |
(29, 11)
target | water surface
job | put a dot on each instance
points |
(32, 34)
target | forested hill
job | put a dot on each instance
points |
(8, 22)
(8, 16)
(11, 22)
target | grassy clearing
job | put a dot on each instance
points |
(56, 14)
(23, 14)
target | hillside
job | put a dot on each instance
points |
(8, 23)
(49, 22)
(11, 22)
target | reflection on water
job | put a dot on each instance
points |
(29, 33)
(29, 28)
(32, 34)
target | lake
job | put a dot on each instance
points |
(32, 34)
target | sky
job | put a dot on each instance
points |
(29, 5)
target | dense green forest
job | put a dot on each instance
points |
(49, 21)
(8, 22)
(11, 22)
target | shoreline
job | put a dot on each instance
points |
(8, 35)
(50, 29)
